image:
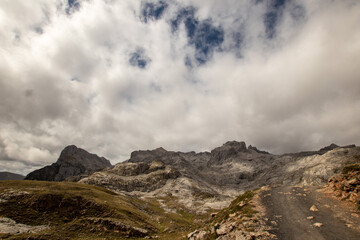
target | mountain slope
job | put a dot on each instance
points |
(10, 176)
(66, 210)
(72, 163)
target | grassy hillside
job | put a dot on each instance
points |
(80, 211)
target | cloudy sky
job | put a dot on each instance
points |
(113, 76)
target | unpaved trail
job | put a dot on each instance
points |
(288, 212)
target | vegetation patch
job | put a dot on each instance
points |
(73, 210)
(240, 205)
(81, 211)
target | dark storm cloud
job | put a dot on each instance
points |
(117, 76)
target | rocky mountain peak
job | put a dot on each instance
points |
(235, 144)
(228, 150)
(73, 161)
(69, 150)
(73, 155)
(328, 148)
(147, 155)
(257, 150)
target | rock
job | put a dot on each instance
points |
(197, 235)
(224, 229)
(8, 225)
(310, 218)
(232, 215)
(318, 225)
(72, 162)
(353, 181)
(313, 208)
(257, 150)
(329, 148)
(130, 177)
(274, 223)
(229, 149)
(346, 184)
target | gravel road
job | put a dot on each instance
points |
(288, 212)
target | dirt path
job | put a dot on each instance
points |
(288, 212)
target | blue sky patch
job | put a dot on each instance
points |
(183, 14)
(73, 5)
(203, 35)
(153, 11)
(273, 16)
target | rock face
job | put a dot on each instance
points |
(72, 163)
(10, 176)
(208, 180)
(129, 177)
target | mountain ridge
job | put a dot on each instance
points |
(11, 176)
(221, 173)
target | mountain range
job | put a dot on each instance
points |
(199, 181)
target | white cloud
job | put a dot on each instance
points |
(67, 79)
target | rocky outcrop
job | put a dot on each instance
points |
(243, 219)
(329, 148)
(346, 185)
(9, 226)
(257, 150)
(73, 162)
(10, 176)
(226, 151)
(129, 177)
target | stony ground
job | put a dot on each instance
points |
(243, 219)
(297, 212)
(9, 226)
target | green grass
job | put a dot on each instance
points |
(235, 207)
(239, 206)
(68, 207)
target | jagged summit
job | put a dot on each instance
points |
(73, 161)
(257, 150)
(328, 148)
(74, 155)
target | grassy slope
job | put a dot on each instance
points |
(67, 207)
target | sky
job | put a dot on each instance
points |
(114, 76)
